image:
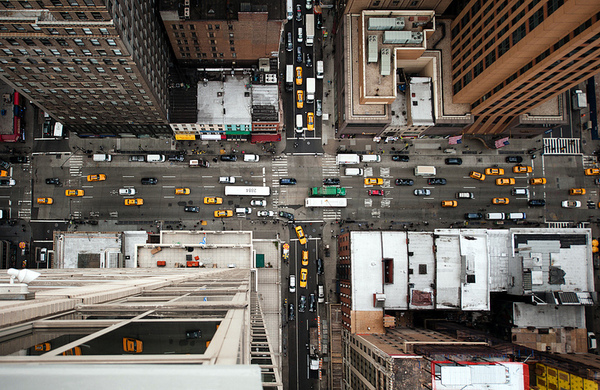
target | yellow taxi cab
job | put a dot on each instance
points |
(449, 203)
(373, 181)
(72, 351)
(298, 75)
(303, 277)
(134, 202)
(592, 171)
(310, 121)
(223, 213)
(73, 192)
(304, 257)
(182, 191)
(98, 177)
(477, 175)
(537, 180)
(522, 169)
(45, 200)
(505, 181)
(213, 200)
(3, 173)
(43, 347)
(500, 201)
(299, 99)
(494, 171)
(132, 345)
(577, 191)
(300, 234)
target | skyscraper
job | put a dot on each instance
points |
(99, 67)
(509, 56)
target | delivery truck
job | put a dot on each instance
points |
(327, 191)
(310, 29)
(347, 159)
(425, 170)
(289, 78)
(310, 89)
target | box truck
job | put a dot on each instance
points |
(310, 29)
(425, 170)
(289, 78)
(310, 89)
(579, 100)
(347, 159)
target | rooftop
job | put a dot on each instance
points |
(228, 101)
(223, 10)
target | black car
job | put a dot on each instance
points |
(302, 304)
(18, 159)
(473, 216)
(514, 159)
(331, 181)
(4, 164)
(405, 182)
(176, 157)
(537, 203)
(191, 209)
(320, 266)
(298, 13)
(137, 158)
(289, 216)
(228, 157)
(53, 180)
(291, 315)
(149, 180)
(299, 54)
(453, 161)
(308, 60)
(312, 303)
(400, 158)
(290, 181)
(436, 181)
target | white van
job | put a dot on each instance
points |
(319, 69)
(464, 195)
(102, 157)
(251, 158)
(425, 170)
(300, 35)
(155, 158)
(241, 211)
(353, 172)
(299, 126)
(516, 216)
(321, 292)
(520, 191)
(492, 216)
(292, 284)
(370, 158)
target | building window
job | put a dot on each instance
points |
(81, 15)
(102, 52)
(66, 16)
(97, 15)
(211, 35)
(86, 52)
(209, 26)
(117, 52)
(230, 27)
(70, 31)
(87, 31)
(8, 4)
(95, 42)
(104, 31)
(79, 42)
(217, 26)
(111, 42)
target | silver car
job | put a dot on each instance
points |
(319, 109)
(422, 192)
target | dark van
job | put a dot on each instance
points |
(453, 161)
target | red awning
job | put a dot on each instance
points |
(265, 138)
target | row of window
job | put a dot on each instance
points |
(204, 55)
(70, 52)
(193, 27)
(63, 61)
(196, 42)
(53, 31)
(56, 3)
(209, 34)
(63, 42)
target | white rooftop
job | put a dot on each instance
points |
(421, 105)
(225, 102)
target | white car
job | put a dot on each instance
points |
(571, 204)
(127, 191)
(227, 179)
(265, 213)
(258, 202)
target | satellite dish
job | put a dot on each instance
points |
(23, 276)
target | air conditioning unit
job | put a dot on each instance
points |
(186, 12)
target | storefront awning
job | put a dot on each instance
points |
(265, 138)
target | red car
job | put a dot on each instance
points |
(376, 192)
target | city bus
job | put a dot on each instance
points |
(326, 202)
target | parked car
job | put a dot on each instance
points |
(149, 180)
(318, 108)
(422, 192)
(291, 314)
(302, 304)
(514, 159)
(320, 266)
(176, 157)
(18, 159)
(402, 158)
(453, 161)
(228, 157)
(191, 209)
(312, 302)
(436, 181)
(7, 182)
(137, 158)
(472, 216)
(405, 182)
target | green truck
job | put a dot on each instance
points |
(328, 191)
